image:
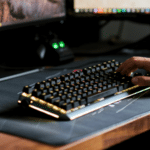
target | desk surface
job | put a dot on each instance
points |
(96, 141)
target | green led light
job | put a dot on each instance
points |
(55, 45)
(61, 44)
(119, 10)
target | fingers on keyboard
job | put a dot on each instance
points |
(128, 66)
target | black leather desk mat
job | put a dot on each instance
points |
(39, 127)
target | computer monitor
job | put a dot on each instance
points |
(91, 11)
(25, 26)
(109, 6)
(134, 10)
(21, 13)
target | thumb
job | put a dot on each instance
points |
(141, 80)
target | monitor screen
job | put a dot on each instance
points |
(112, 6)
(24, 12)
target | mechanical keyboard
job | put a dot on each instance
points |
(80, 92)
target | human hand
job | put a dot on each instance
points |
(131, 65)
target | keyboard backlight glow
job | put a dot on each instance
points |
(44, 111)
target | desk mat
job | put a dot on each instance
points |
(36, 126)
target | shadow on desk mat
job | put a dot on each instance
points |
(33, 125)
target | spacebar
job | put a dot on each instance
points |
(109, 92)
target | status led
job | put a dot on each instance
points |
(61, 44)
(55, 45)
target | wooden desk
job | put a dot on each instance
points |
(96, 142)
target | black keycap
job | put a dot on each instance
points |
(72, 82)
(46, 84)
(85, 89)
(100, 84)
(58, 80)
(60, 92)
(96, 96)
(114, 82)
(74, 104)
(74, 98)
(71, 75)
(99, 89)
(86, 71)
(44, 90)
(54, 94)
(107, 70)
(94, 67)
(77, 74)
(109, 80)
(52, 99)
(87, 83)
(39, 85)
(59, 103)
(44, 96)
(49, 81)
(125, 86)
(64, 78)
(104, 64)
(117, 63)
(118, 82)
(53, 81)
(63, 97)
(82, 101)
(101, 77)
(27, 89)
(66, 106)
(109, 86)
(36, 93)
(90, 87)
(91, 82)
(82, 85)
(67, 84)
(99, 67)
(104, 82)
(67, 100)
(84, 94)
(80, 91)
(61, 86)
(89, 92)
(80, 73)
(92, 76)
(96, 80)
(51, 89)
(104, 87)
(120, 87)
(94, 91)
